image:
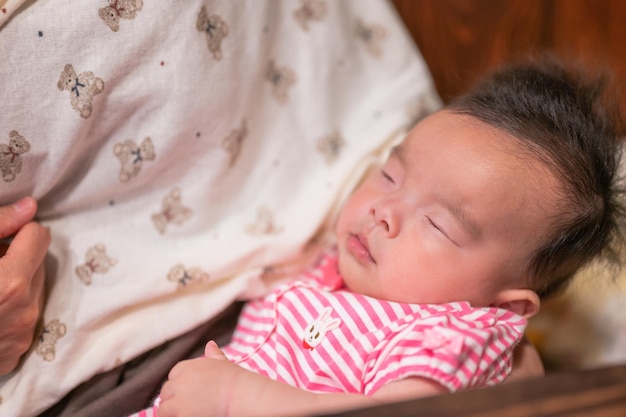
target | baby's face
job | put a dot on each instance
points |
(453, 215)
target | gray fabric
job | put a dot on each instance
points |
(132, 386)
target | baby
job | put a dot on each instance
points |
(441, 256)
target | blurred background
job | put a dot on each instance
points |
(462, 39)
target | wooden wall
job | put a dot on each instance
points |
(461, 39)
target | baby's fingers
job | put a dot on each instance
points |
(212, 351)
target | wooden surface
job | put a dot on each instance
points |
(591, 393)
(462, 39)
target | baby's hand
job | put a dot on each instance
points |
(212, 351)
(200, 387)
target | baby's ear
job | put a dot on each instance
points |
(523, 302)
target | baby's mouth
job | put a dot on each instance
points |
(358, 247)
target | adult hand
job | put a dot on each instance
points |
(21, 280)
(526, 362)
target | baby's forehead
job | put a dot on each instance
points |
(478, 159)
(435, 128)
(443, 130)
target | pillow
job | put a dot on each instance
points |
(179, 152)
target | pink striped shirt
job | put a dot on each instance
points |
(314, 334)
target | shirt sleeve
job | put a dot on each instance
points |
(456, 350)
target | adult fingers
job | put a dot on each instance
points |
(18, 329)
(8, 363)
(26, 252)
(22, 276)
(14, 216)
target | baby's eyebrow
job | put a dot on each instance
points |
(463, 217)
(455, 208)
(398, 152)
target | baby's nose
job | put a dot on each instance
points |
(386, 216)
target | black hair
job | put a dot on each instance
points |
(564, 119)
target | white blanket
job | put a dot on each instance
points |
(180, 149)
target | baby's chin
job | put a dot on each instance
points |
(345, 273)
(357, 286)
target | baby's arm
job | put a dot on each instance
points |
(213, 386)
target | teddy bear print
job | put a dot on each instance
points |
(310, 10)
(281, 78)
(232, 142)
(82, 87)
(119, 9)
(264, 223)
(185, 276)
(372, 35)
(131, 157)
(172, 211)
(215, 29)
(330, 147)
(46, 346)
(96, 262)
(11, 155)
